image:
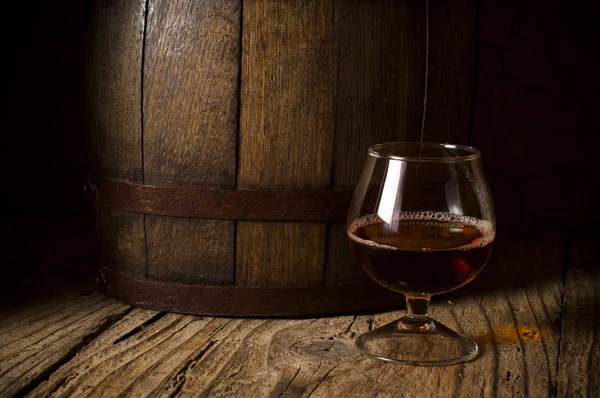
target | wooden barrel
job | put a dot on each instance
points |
(227, 136)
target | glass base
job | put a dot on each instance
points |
(417, 341)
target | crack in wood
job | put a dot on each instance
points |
(458, 383)
(542, 340)
(494, 344)
(519, 338)
(42, 315)
(156, 368)
(56, 331)
(85, 340)
(317, 369)
(540, 297)
(313, 321)
(227, 365)
(349, 327)
(173, 327)
(180, 377)
(321, 380)
(102, 305)
(141, 327)
(291, 381)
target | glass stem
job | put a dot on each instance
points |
(417, 312)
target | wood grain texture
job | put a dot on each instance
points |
(149, 353)
(191, 251)
(113, 88)
(179, 355)
(35, 317)
(451, 72)
(280, 254)
(191, 72)
(286, 133)
(513, 308)
(113, 107)
(579, 362)
(30, 352)
(122, 244)
(380, 91)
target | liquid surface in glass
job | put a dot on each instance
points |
(421, 252)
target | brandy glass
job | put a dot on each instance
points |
(421, 223)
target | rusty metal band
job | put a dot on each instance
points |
(353, 298)
(226, 204)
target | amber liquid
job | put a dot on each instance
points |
(421, 256)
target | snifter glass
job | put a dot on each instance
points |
(421, 223)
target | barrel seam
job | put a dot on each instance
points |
(143, 62)
(237, 136)
(333, 143)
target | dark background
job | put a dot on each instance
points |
(47, 230)
(536, 121)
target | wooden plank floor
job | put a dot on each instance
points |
(535, 313)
